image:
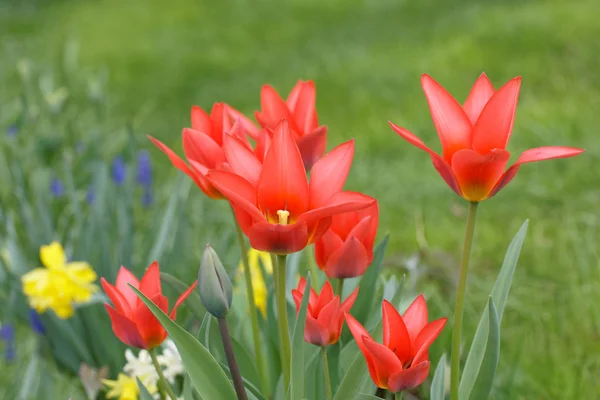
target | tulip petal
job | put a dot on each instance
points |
(313, 299)
(200, 147)
(426, 337)
(395, 333)
(329, 174)
(312, 146)
(360, 333)
(315, 332)
(384, 360)
(273, 108)
(450, 120)
(125, 329)
(480, 93)
(442, 167)
(201, 120)
(409, 378)
(325, 246)
(181, 299)
(220, 123)
(494, 126)
(120, 302)
(148, 325)
(349, 302)
(292, 98)
(124, 278)
(534, 155)
(325, 297)
(283, 184)
(478, 174)
(328, 311)
(340, 202)
(415, 317)
(150, 283)
(278, 239)
(349, 261)
(304, 107)
(200, 171)
(246, 122)
(242, 160)
(263, 144)
(237, 190)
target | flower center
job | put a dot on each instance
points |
(283, 216)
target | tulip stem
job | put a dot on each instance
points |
(252, 307)
(163, 385)
(340, 288)
(398, 396)
(282, 318)
(460, 301)
(328, 392)
(234, 368)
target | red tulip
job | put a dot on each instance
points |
(325, 314)
(300, 111)
(346, 249)
(401, 362)
(474, 137)
(203, 143)
(275, 205)
(132, 322)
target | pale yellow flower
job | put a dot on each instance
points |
(259, 288)
(124, 388)
(60, 284)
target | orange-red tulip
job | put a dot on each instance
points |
(346, 249)
(402, 361)
(300, 111)
(275, 205)
(474, 137)
(132, 322)
(203, 143)
(325, 314)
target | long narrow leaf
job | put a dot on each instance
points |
(438, 385)
(144, 394)
(297, 360)
(485, 378)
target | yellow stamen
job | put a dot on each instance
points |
(283, 216)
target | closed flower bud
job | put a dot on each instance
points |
(214, 284)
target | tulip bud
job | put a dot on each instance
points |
(214, 284)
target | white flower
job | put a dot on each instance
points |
(141, 367)
(171, 361)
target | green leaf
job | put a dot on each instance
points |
(297, 360)
(193, 301)
(205, 372)
(188, 391)
(499, 297)
(144, 394)
(30, 380)
(363, 396)
(438, 385)
(485, 378)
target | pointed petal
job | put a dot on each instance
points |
(247, 123)
(200, 147)
(294, 94)
(451, 122)
(325, 247)
(220, 123)
(395, 333)
(150, 283)
(124, 278)
(349, 302)
(313, 299)
(325, 297)
(429, 333)
(409, 378)
(242, 160)
(385, 362)
(360, 334)
(340, 202)
(315, 332)
(181, 299)
(493, 128)
(273, 108)
(237, 190)
(442, 167)
(329, 174)
(278, 239)
(149, 327)
(329, 311)
(478, 97)
(283, 184)
(534, 155)
(304, 108)
(116, 297)
(263, 144)
(175, 159)
(312, 146)
(125, 329)
(415, 317)
(478, 174)
(349, 261)
(200, 120)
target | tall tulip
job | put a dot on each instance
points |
(300, 111)
(276, 206)
(401, 362)
(132, 322)
(346, 249)
(474, 137)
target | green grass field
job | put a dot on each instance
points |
(366, 58)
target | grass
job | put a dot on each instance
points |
(366, 58)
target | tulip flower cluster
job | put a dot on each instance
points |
(287, 194)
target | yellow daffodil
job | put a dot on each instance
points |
(60, 284)
(124, 388)
(258, 281)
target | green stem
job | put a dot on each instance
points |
(398, 396)
(460, 301)
(163, 385)
(282, 318)
(340, 288)
(252, 307)
(328, 392)
(234, 368)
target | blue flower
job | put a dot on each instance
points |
(144, 168)
(118, 170)
(7, 334)
(147, 197)
(12, 130)
(36, 322)
(90, 196)
(57, 188)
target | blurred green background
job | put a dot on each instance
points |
(159, 58)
